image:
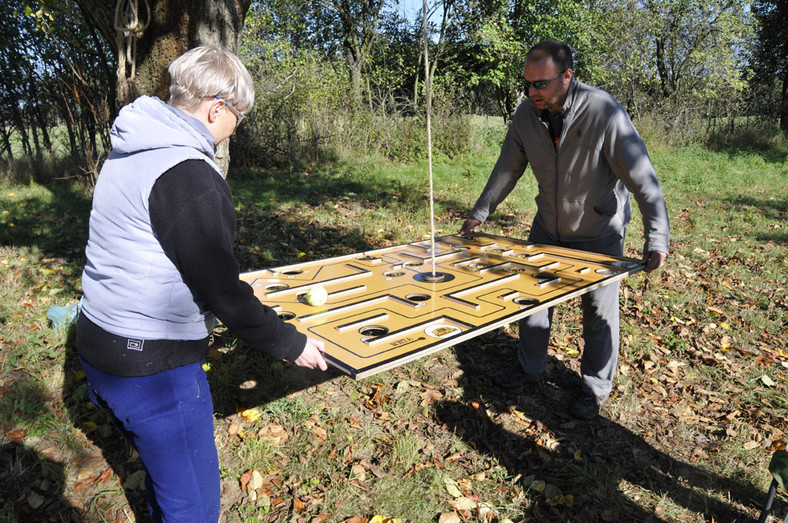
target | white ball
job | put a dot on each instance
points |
(316, 296)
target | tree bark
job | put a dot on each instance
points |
(661, 69)
(784, 104)
(173, 27)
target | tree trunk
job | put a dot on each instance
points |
(661, 68)
(354, 66)
(19, 122)
(6, 144)
(172, 28)
(784, 104)
(65, 116)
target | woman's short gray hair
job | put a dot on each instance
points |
(204, 72)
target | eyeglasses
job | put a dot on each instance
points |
(239, 116)
(540, 84)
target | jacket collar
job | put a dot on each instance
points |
(570, 98)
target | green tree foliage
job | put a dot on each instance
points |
(489, 40)
(300, 88)
(56, 78)
(395, 63)
(771, 53)
(358, 25)
(307, 109)
(682, 59)
(336, 75)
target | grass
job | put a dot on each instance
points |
(698, 408)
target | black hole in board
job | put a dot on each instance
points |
(373, 331)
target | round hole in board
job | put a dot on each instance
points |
(291, 272)
(514, 270)
(393, 274)
(526, 300)
(373, 331)
(412, 264)
(418, 297)
(477, 266)
(286, 316)
(543, 275)
(276, 287)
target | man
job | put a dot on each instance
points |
(160, 270)
(587, 157)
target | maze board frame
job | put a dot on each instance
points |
(385, 310)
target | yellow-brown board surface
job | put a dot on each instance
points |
(390, 306)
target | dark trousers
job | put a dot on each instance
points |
(600, 323)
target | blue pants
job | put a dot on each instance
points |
(600, 323)
(168, 418)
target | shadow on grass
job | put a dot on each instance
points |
(752, 142)
(602, 464)
(268, 236)
(32, 482)
(57, 225)
(244, 378)
(772, 209)
(32, 487)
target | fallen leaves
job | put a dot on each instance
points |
(384, 519)
(17, 435)
(273, 433)
(451, 487)
(93, 480)
(430, 396)
(449, 517)
(250, 415)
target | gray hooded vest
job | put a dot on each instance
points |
(130, 287)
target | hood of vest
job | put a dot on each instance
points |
(148, 124)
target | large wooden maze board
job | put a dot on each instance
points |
(388, 306)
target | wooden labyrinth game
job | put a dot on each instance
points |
(387, 307)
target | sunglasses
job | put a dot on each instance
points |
(540, 84)
(239, 116)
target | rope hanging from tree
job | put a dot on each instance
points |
(428, 96)
(129, 29)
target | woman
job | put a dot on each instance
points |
(160, 270)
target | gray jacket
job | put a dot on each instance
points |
(584, 187)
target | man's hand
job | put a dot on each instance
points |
(654, 260)
(470, 225)
(312, 357)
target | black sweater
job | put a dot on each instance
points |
(193, 218)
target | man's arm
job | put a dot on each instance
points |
(629, 160)
(508, 170)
